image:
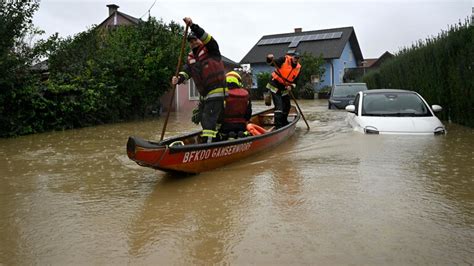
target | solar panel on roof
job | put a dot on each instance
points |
(295, 40)
(293, 44)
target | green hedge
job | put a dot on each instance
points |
(441, 69)
(98, 76)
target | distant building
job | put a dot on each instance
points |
(117, 18)
(41, 69)
(356, 74)
(338, 47)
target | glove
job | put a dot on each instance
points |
(290, 87)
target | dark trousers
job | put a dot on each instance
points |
(211, 114)
(226, 128)
(282, 108)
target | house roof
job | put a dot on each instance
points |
(369, 62)
(41, 66)
(329, 48)
(133, 20)
(376, 62)
(229, 62)
(130, 18)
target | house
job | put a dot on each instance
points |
(186, 96)
(41, 69)
(338, 47)
(374, 63)
(117, 18)
(369, 64)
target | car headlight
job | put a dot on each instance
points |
(440, 131)
(371, 130)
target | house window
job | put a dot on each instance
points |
(193, 92)
(351, 57)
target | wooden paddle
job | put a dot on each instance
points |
(178, 67)
(299, 109)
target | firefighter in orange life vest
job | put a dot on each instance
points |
(238, 108)
(284, 77)
(204, 65)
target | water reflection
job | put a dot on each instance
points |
(443, 171)
(195, 218)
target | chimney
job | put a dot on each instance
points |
(112, 8)
(472, 17)
(298, 30)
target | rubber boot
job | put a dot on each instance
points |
(278, 120)
(284, 119)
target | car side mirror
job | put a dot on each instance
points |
(351, 108)
(436, 108)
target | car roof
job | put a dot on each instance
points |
(387, 90)
(350, 84)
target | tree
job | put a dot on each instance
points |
(97, 76)
(16, 56)
(262, 79)
(15, 25)
(310, 66)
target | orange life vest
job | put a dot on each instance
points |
(207, 71)
(255, 130)
(286, 74)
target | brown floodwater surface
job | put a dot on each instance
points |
(327, 196)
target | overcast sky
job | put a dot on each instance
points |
(380, 25)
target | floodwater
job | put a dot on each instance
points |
(327, 196)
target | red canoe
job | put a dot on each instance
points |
(185, 154)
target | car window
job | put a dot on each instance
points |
(356, 104)
(348, 91)
(394, 104)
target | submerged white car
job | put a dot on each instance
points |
(394, 112)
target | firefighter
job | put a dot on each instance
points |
(284, 78)
(238, 108)
(204, 65)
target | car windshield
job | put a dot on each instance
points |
(348, 90)
(394, 104)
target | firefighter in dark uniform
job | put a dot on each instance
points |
(204, 65)
(284, 77)
(238, 108)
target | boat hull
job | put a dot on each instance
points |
(196, 158)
